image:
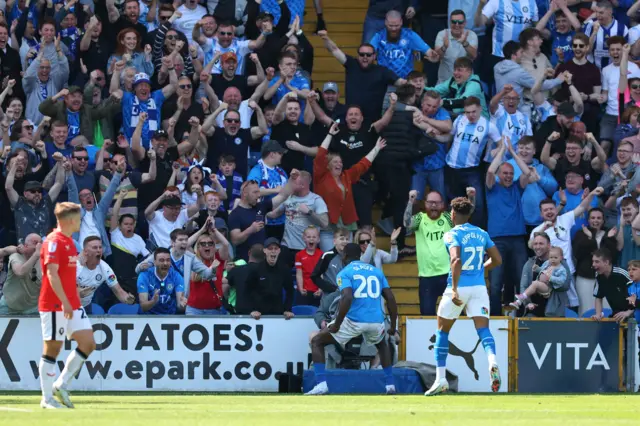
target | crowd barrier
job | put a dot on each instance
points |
(240, 354)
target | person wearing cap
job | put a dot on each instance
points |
(172, 216)
(33, 210)
(266, 282)
(573, 153)
(142, 100)
(271, 178)
(228, 77)
(561, 123)
(276, 35)
(39, 83)
(571, 195)
(558, 228)
(331, 101)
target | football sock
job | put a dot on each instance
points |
(441, 352)
(72, 366)
(46, 369)
(388, 375)
(318, 369)
(488, 344)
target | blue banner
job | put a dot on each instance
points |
(568, 356)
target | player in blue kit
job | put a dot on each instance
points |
(467, 245)
(360, 313)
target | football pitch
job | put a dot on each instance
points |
(97, 409)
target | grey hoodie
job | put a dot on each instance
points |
(510, 72)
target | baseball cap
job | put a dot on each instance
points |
(227, 56)
(272, 146)
(75, 89)
(270, 241)
(172, 202)
(265, 15)
(576, 170)
(160, 134)
(221, 224)
(566, 109)
(141, 78)
(31, 185)
(330, 86)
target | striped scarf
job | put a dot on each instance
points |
(237, 185)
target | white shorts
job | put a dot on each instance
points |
(475, 299)
(373, 333)
(55, 326)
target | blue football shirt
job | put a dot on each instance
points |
(149, 282)
(473, 243)
(367, 283)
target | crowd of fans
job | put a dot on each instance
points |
(216, 176)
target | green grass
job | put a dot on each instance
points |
(195, 410)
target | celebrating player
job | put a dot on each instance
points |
(467, 245)
(360, 285)
(60, 310)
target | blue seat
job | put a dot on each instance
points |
(606, 311)
(304, 310)
(568, 313)
(96, 309)
(124, 309)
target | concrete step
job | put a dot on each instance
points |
(409, 309)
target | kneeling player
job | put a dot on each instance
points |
(361, 286)
(467, 245)
(61, 312)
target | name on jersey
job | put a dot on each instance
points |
(517, 19)
(434, 236)
(467, 137)
(471, 235)
(362, 267)
(516, 130)
(395, 54)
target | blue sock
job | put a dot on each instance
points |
(488, 343)
(318, 369)
(441, 348)
(388, 375)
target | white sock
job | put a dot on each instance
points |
(47, 370)
(72, 366)
(441, 373)
(492, 359)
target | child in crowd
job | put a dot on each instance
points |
(552, 275)
(633, 289)
(230, 180)
(306, 261)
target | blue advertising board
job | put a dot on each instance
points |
(568, 356)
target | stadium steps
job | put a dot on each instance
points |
(344, 24)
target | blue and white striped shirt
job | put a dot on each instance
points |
(511, 17)
(513, 126)
(469, 141)
(600, 54)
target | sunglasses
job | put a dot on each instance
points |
(579, 46)
(232, 120)
(184, 86)
(207, 244)
(535, 65)
(171, 37)
(164, 18)
(224, 33)
(99, 78)
(27, 127)
(364, 241)
(365, 55)
(81, 158)
(35, 191)
(457, 21)
(633, 86)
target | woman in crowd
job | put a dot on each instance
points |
(333, 184)
(205, 296)
(366, 238)
(586, 241)
(128, 49)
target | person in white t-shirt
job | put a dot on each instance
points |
(92, 272)
(191, 12)
(558, 228)
(226, 41)
(172, 216)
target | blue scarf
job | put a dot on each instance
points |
(237, 185)
(73, 35)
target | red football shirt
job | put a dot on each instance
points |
(58, 249)
(201, 294)
(307, 262)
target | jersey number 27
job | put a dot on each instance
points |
(472, 252)
(367, 287)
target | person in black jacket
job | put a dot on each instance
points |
(265, 284)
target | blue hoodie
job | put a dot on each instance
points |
(633, 287)
(535, 192)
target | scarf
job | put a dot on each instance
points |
(72, 34)
(264, 172)
(237, 185)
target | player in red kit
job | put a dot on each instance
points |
(61, 313)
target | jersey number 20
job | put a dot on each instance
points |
(472, 251)
(367, 287)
